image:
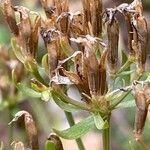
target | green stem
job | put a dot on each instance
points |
(71, 122)
(106, 136)
(10, 129)
(125, 66)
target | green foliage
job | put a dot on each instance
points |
(78, 129)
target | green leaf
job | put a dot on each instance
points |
(77, 130)
(45, 95)
(49, 145)
(66, 47)
(125, 73)
(32, 66)
(28, 91)
(45, 62)
(65, 106)
(17, 50)
(127, 104)
(99, 122)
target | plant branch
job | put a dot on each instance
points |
(71, 122)
(106, 135)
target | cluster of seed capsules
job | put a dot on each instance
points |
(84, 30)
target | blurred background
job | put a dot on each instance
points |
(48, 114)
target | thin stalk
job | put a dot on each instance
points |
(125, 66)
(71, 122)
(10, 129)
(106, 136)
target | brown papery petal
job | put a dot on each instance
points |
(30, 128)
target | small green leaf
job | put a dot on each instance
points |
(45, 95)
(49, 145)
(32, 66)
(99, 122)
(127, 104)
(45, 62)
(125, 73)
(28, 91)
(65, 106)
(66, 47)
(77, 130)
(17, 50)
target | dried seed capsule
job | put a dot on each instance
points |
(33, 40)
(130, 32)
(92, 72)
(140, 31)
(102, 72)
(87, 14)
(10, 17)
(96, 17)
(141, 114)
(113, 40)
(141, 110)
(140, 38)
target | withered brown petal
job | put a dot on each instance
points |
(30, 128)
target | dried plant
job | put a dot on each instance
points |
(78, 54)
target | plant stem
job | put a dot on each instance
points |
(71, 122)
(106, 135)
(10, 129)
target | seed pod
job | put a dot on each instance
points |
(96, 17)
(63, 22)
(92, 71)
(140, 33)
(130, 32)
(141, 113)
(24, 28)
(33, 40)
(102, 73)
(51, 40)
(10, 17)
(61, 6)
(141, 109)
(56, 140)
(113, 40)
(87, 14)
(30, 128)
